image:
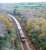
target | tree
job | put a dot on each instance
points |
(36, 32)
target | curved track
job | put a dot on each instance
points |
(23, 39)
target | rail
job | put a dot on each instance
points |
(24, 43)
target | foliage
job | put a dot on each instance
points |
(10, 42)
(36, 30)
(6, 21)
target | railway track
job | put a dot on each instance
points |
(21, 36)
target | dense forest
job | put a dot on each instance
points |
(33, 20)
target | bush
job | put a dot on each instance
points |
(37, 32)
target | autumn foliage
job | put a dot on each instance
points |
(6, 21)
(36, 31)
